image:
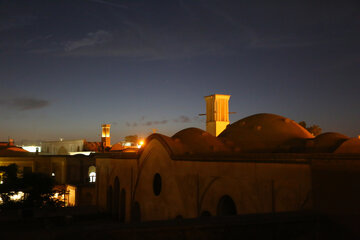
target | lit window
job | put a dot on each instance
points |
(92, 177)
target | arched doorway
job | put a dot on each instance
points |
(116, 198)
(122, 205)
(226, 206)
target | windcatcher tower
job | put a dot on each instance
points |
(217, 113)
(105, 135)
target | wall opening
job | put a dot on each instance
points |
(157, 184)
(226, 206)
(92, 174)
(116, 198)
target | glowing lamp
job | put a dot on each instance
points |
(140, 144)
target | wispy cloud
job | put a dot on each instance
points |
(23, 104)
(147, 123)
(182, 119)
(91, 39)
(150, 123)
(131, 124)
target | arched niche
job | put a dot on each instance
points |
(116, 201)
(226, 206)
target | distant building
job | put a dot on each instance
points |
(73, 147)
(62, 147)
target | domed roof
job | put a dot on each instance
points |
(117, 147)
(197, 141)
(10, 151)
(266, 132)
(326, 142)
(351, 145)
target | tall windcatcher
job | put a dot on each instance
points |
(105, 135)
(217, 113)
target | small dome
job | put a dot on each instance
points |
(326, 142)
(117, 147)
(10, 151)
(351, 145)
(197, 141)
(266, 133)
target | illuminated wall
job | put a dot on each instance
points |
(158, 187)
(63, 147)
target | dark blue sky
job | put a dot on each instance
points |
(67, 66)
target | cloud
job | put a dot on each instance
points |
(135, 36)
(91, 39)
(182, 119)
(147, 123)
(133, 124)
(23, 104)
(150, 123)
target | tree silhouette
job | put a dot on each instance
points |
(131, 138)
(37, 188)
(313, 129)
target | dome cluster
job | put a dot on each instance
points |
(259, 133)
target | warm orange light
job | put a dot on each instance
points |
(140, 144)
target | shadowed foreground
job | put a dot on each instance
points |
(95, 226)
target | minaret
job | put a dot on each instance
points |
(217, 113)
(105, 135)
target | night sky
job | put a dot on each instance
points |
(66, 66)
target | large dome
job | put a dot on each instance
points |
(265, 133)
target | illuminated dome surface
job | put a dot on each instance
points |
(9, 151)
(117, 147)
(326, 142)
(351, 145)
(265, 133)
(197, 141)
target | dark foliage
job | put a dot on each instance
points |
(37, 189)
(313, 129)
(131, 138)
